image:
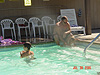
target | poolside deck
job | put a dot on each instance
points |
(82, 37)
(88, 38)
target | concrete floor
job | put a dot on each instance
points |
(88, 38)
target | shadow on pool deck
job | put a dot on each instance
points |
(32, 40)
(37, 40)
(82, 37)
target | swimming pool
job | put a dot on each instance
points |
(51, 60)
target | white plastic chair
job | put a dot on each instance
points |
(8, 24)
(71, 14)
(22, 23)
(72, 26)
(48, 22)
(59, 18)
(36, 22)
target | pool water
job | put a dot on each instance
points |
(51, 60)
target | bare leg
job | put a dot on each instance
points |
(72, 42)
(56, 38)
(70, 39)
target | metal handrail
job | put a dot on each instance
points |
(91, 43)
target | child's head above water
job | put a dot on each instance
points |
(27, 46)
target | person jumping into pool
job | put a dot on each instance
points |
(62, 32)
(27, 53)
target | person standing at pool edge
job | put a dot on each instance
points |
(27, 53)
(62, 32)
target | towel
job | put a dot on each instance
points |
(74, 25)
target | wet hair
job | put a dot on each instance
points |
(28, 45)
(64, 17)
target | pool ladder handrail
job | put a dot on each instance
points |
(91, 43)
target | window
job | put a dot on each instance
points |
(27, 3)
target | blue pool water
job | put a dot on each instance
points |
(51, 60)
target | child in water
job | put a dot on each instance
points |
(29, 55)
